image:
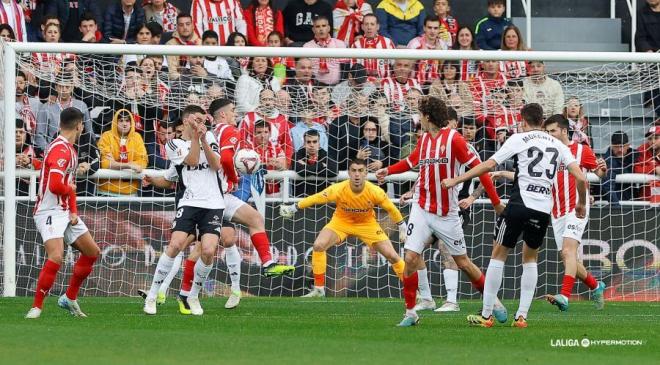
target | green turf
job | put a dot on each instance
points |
(327, 331)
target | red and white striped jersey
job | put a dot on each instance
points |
(279, 131)
(564, 191)
(60, 162)
(396, 92)
(50, 63)
(227, 136)
(268, 153)
(428, 70)
(12, 14)
(513, 69)
(375, 67)
(439, 158)
(221, 16)
(469, 70)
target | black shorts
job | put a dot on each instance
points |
(198, 221)
(466, 217)
(518, 219)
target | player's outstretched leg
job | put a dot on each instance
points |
(410, 285)
(326, 239)
(83, 267)
(251, 218)
(54, 253)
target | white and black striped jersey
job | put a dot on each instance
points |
(198, 186)
(537, 157)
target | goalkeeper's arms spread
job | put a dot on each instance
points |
(328, 195)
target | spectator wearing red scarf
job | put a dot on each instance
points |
(348, 15)
(262, 19)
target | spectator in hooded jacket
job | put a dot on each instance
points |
(488, 31)
(400, 25)
(620, 160)
(122, 148)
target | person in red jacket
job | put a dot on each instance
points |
(262, 19)
(648, 162)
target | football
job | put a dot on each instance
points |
(247, 161)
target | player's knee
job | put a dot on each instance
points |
(462, 263)
(566, 253)
(56, 257)
(208, 251)
(95, 252)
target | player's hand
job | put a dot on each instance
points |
(381, 174)
(288, 211)
(373, 166)
(403, 228)
(73, 218)
(83, 167)
(499, 208)
(73, 188)
(601, 165)
(135, 167)
(580, 210)
(496, 175)
(405, 198)
(465, 203)
(448, 183)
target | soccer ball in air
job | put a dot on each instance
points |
(247, 161)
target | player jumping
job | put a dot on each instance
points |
(440, 152)
(354, 216)
(538, 157)
(56, 217)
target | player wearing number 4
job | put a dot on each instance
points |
(56, 217)
(538, 157)
(440, 152)
(354, 216)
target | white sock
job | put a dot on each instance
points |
(163, 268)
(423, 284)
(527, 288)
(492, 286)
(175, 270)
(233, 261)
(202, 272)
(451, 284)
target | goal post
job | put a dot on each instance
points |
(620, 246)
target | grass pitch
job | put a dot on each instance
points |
(312, 331)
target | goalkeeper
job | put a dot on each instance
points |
(354, 216)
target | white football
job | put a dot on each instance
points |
(247, 161)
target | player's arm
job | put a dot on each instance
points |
(58, 161)
(393, 212)
(328, 195)
(228, 141)
(591, 163)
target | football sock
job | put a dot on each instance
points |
(527, 288)
(567, 286)
(175, 270)
(590, 281)
(262, 245)
(319, 263)
(492, 286)
(81, 271)
(187, 279)
(202, 272)
(233, 261)
(451, 284)
(410, 285)
(479, 283)
(424, 288)
(46, 279)
(398, 268)
(162, 269)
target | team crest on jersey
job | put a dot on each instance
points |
(442, 149)
(233, 140)
(61, 162)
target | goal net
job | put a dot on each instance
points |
(370, 111)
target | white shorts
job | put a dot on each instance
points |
(568, 226)
(232, 204)
(422, 225)
(56, 224)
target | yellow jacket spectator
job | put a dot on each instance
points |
(121, 148)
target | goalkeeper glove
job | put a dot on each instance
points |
(402, 231)
(287, 211)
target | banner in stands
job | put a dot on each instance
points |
(621, 248)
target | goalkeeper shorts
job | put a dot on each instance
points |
(369, 232)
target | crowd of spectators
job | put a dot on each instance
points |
(310, 115)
